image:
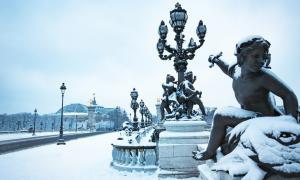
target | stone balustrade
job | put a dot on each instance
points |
(135, 153)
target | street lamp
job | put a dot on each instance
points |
(76, 123)
(41, 125)
(134, 105)
(61, 140)
(34, 119)
(142, 111)
(180, 55)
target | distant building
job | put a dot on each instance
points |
(76, 116)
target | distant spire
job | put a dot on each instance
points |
(94, 103)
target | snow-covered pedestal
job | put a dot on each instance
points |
(175, 147)
(268, 148)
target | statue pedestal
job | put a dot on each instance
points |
(207, 174)
(175, 148)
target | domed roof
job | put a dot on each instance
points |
(74, 108)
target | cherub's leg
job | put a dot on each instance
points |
(189, 106)
(164, 105)
(200, 104)
(168, 109)
(218, 132)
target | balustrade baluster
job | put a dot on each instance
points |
(127, 157)
(134, 157)
(141, 157)
(150, 157)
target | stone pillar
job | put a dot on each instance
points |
(158, 114)
(91, 118)
(176, 145)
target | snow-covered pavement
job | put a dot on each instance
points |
(82, 159)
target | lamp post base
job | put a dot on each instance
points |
(61, 142)
(135, 126)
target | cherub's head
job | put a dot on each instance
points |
(170, 78)
(188, 76)
(252, 53)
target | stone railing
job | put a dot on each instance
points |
(135, 153)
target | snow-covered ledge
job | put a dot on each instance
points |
(135, 153)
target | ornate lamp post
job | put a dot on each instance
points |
(61, 140)
(146, 112)
(142, 111)
(76, 123)
(134, 105)
(41, 125)
(179, 54)
(35, 112)
(146, 116)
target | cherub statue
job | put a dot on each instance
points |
(253, 85)
(169, 95)
(188, 95)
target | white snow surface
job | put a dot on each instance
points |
(247, 39)
(86, 158)
(254, 136)
(81, 159)
(238, 163)
(145, 140)
(237, 72)
(235, 112)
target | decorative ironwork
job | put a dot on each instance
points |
(179, 54)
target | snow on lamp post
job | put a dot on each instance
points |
(179, 54)
(61, 140)
(34, 120)
(134, 105)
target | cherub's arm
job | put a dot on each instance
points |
(194, 79)
(215, 59)
(279, 88)
(167, 85)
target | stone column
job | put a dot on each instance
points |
(175, 147)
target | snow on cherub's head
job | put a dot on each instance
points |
(249, 44)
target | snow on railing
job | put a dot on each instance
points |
(135, 153)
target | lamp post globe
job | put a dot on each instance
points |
(61, 140)
(178, 18)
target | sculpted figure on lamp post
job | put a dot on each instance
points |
(188, 95)
(169, 95)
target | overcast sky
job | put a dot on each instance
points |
(108, 47)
